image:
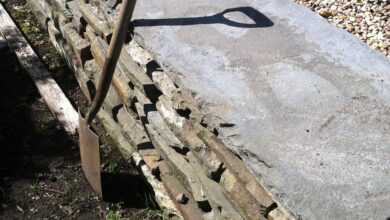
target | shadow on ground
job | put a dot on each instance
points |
(40, 175)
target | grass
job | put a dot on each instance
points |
(35, 186)
(153, 214)
(113, 215)
(31, 29)
(112, 167)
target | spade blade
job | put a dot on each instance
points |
(90, 155)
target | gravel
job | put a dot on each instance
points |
(369, 20)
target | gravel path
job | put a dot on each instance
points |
(369, 20)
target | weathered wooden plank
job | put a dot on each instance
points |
(242, 197)
(133, 128)
(137, 75)
(80, 46)
(237, 191)
(220, 203)
(54, 35)
(52, 94)
(158, 123)
(99, 50)
(151, 157)
(179, 162)
(162, 196)
(165, 107)
(127, 150)
(163, 82)
(236, 166)
(65, 50)
(77, 21)
(42, 11)
(93, 71)
(90, 15)
(203, 188)
(182, 98)
(184, 201)
(127, 69)
(90, 33)
(190, 133)
(115, 132)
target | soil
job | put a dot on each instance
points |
(40, 174)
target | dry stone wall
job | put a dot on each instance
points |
(154, 123)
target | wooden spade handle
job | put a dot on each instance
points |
(114, 51)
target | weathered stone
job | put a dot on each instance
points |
(236, 189)
(136, 74)
(99, 49)
(162, 80)
(133, 128)
(165, 107)
(80, 46)
(236, 166)
(181, 97)
(158, 123)
(215, 193)
(115, 132)
(42, 11)
(77, 20)
(151, 157)
(97, 23)
(179, 162)
(90, 33)
(83, 80)
(161, 193)
(200, 184)
(184, 201)
(54, 34)
(93, 71)
(279, 214)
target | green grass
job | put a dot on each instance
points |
(113, 215)
(113, 167)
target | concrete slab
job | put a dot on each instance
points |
(310, 103)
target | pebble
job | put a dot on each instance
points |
(369, 20)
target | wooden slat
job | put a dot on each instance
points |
(52, 94)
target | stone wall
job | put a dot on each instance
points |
(154, 123)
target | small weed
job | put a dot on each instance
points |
(35, 186)
(153, 214)
(113, 167)
(113, 215)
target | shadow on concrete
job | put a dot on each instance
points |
(258, 19)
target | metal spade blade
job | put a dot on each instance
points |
(89, 141)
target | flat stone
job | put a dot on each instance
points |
(80, 46)
(310, 102)
(98, 23)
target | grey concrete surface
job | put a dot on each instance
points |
(310, 102)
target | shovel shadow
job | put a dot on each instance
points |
(257, 19)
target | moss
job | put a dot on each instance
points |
(37, 37)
